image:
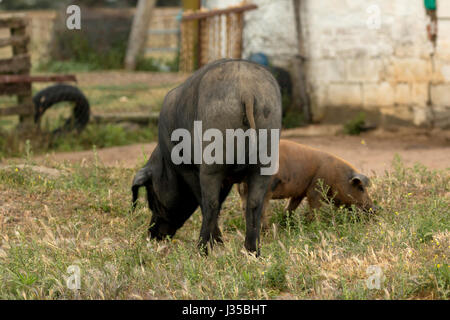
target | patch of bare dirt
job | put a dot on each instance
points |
(371, 152)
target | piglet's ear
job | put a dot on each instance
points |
(359, 180)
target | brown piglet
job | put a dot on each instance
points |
(300, 169)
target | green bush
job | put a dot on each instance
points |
(293, 119)
(355, 125)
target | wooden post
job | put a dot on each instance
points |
(300, 89)
(240, 28)
(229, 35)
(194, 30)
(213, 29)
(24, 99)
(139, 31)
(204, 53)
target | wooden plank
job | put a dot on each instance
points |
(14, 41)
(20, 63)
(30, 79)
(211, 13)
(21, 109)
(12, 89)
(13, 22)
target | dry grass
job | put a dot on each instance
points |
(82, 218)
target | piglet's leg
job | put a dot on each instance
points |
(266, 213)
(293, 204)
(314, 203)
(242, 190)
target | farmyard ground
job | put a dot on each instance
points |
(81, 217)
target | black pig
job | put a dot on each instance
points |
(226, 94)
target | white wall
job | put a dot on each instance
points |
(352, 62)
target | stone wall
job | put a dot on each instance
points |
(391, 70)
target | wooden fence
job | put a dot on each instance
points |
(15, 79)
(18, 64)
(163, 33)
(210, 35)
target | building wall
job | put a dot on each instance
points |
(390, 69)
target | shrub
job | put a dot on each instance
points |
(355, 125)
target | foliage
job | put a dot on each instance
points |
(355, 126)
(157, 65)
(13, 143)
(293, 119)
(75, 49)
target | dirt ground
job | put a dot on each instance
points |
(370, 152)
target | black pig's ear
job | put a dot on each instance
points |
(142, 178)
(359, 180)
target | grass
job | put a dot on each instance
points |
(104, 99)
(143, 64)
(134, 97)
(114, 63)
(82, 218)
(55, 66)
(13, 144)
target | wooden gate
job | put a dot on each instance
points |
(219, 34)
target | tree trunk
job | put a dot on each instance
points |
(300, 83)
(139, 31)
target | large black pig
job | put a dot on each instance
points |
(225, 94)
